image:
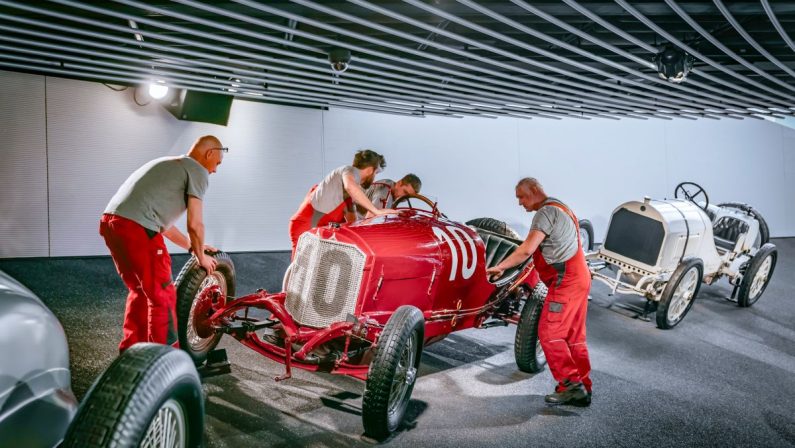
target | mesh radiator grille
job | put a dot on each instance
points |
(324, 281)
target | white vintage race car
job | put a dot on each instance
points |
(663, 250)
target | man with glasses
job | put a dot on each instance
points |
(139, 215)
(331, 201)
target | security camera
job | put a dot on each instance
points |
(340, 59)
(673, 64)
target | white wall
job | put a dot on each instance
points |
(95, 137)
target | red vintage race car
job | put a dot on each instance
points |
(364, 299)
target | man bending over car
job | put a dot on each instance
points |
(331, 201)
(383, 192)
(139, 215)
(554, 243)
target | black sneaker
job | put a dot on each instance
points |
(574, 394)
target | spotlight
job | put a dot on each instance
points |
(157, 90)
(673, 64)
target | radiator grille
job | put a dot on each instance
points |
(324, 281)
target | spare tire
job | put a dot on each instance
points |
(764, 231)
(194, 338)
(494, 225)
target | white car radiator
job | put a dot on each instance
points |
(323, 281)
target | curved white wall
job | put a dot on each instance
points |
(95, 137)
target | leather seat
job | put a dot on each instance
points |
(727, 231)
(497, 247)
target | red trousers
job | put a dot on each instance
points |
(144, 265)
(303, 218)
(561, 329)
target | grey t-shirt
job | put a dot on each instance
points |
(156, 194)
(562, 236)
(330, 192)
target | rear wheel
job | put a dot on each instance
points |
(529, 355)
(196, 337)
(393, 372)
(680, 293)
(758, 275)
(586, 234)
(150, 396)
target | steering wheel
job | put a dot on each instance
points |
(692, 192)
(408, 197)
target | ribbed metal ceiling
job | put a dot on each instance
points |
(549, 59)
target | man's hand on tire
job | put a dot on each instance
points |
(207, 262)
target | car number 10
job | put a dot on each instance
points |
(467, 264)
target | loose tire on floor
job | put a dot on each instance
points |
(527, 348)
(149, 393)
(680, 293)
(764, 230)
(494, 225)
(586, 234)
(393, 372)
(758, 275)
(195, 339)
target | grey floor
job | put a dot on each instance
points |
(724, 377)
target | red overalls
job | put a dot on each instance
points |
(561, 329)
(144, 265)
(302, 219)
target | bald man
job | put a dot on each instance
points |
(139, 215)
(554, 243)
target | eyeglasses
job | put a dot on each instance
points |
(224, 149)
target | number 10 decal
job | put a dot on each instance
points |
(467, 265)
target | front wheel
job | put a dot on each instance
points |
(758, 275)
(527, 349)
(195, 334)
(150, 396)
(393, 372)
(680, 293)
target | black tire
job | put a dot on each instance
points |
(747, 296)
(146, 381)
(764, 230)
(527, 348)
(381, 411)
(587, 227)
(198, 343)
(494, 225)
(669, 310)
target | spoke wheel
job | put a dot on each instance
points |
(680, 293)
(393, 372)
(758, 275)
(167, 429)
(196, 333)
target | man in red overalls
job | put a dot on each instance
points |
(331, 201)
(554, 243)
(139, 215)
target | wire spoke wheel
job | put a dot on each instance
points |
(405, 374)
(167, 429)
(200, 310)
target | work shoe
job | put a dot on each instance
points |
(574, 394)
